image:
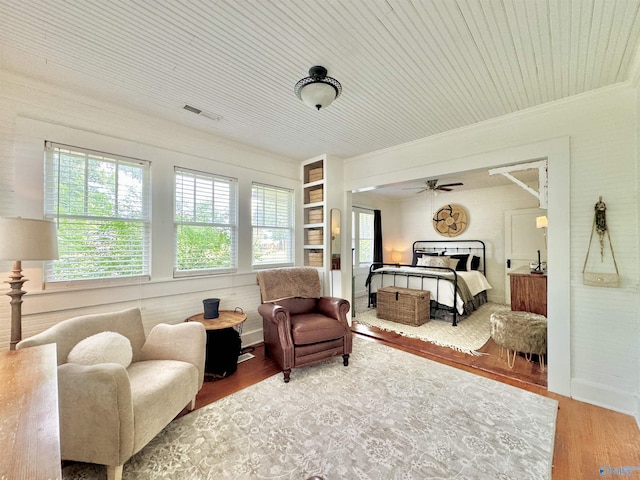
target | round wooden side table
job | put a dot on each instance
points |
(226, 319)
(223, 341)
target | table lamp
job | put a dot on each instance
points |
(24, 239)
(542, 222)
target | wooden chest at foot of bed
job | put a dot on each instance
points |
(403, 305)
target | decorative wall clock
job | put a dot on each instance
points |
(450, 220)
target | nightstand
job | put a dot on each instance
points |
(528, 291)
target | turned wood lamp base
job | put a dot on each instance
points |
(16, 280)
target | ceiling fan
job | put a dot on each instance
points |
(432, 186)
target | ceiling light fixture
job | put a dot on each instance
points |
(317, 90)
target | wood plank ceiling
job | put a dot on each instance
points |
(409, 68)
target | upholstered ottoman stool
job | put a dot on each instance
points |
(522, 332)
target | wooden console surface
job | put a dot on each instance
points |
(29, 422)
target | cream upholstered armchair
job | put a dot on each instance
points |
(117, 389)
(300, 326)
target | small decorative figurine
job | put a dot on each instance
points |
(601, 223)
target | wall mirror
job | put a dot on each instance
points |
(335, 238)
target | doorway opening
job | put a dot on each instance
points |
(557, 154)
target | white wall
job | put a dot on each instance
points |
(592, 353)
(31, 112)
(390, 212)
(485, 210)
(593, 344)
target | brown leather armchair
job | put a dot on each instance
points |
(300, 326)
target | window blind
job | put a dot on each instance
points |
(362, 241)
(205, 222)
(100, 203)
(365, 252)
(273, 225)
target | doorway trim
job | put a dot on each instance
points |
(557, 153)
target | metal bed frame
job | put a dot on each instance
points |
(433, 246)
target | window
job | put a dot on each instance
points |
(272, 219)
(205, 223)
(101, 205)
(362, 243)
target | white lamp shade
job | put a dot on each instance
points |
(318, 93)
(541, 222)
(28, 239)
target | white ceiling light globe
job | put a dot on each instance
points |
(318, 95)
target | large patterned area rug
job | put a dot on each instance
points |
(468, 336)
(388, 415)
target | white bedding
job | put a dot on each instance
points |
(441, 291)
(476, 281)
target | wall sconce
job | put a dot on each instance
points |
(396, 256)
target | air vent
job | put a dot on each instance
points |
(202, 113)
(191, 109)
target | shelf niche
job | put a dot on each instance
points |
(314, 203)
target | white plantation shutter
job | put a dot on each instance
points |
(362, 230)
(365, 252)
(205, 223)
(272, 219)
(100, 203)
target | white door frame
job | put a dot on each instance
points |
(557, 152)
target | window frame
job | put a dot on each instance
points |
(232, 206)
(355, 240)
(51, 201)
(291, 228)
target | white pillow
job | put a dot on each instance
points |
(103, 347)
(435, 261)
(452, 262)
(423, 261)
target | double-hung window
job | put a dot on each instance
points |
(205, 223)
(272, 220)
(362, 228)
(101, 205)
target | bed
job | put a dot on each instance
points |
(452, 271)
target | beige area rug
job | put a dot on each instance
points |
(468, 337)
(388, 415)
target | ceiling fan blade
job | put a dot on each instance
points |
(451, 185)
(444, 189)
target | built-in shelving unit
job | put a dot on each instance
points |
(314, 213)
(325, 231)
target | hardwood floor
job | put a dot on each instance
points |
(587, 437)
(249, 372)
(490, 361)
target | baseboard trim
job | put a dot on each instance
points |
(606, 397)
(252, 337)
